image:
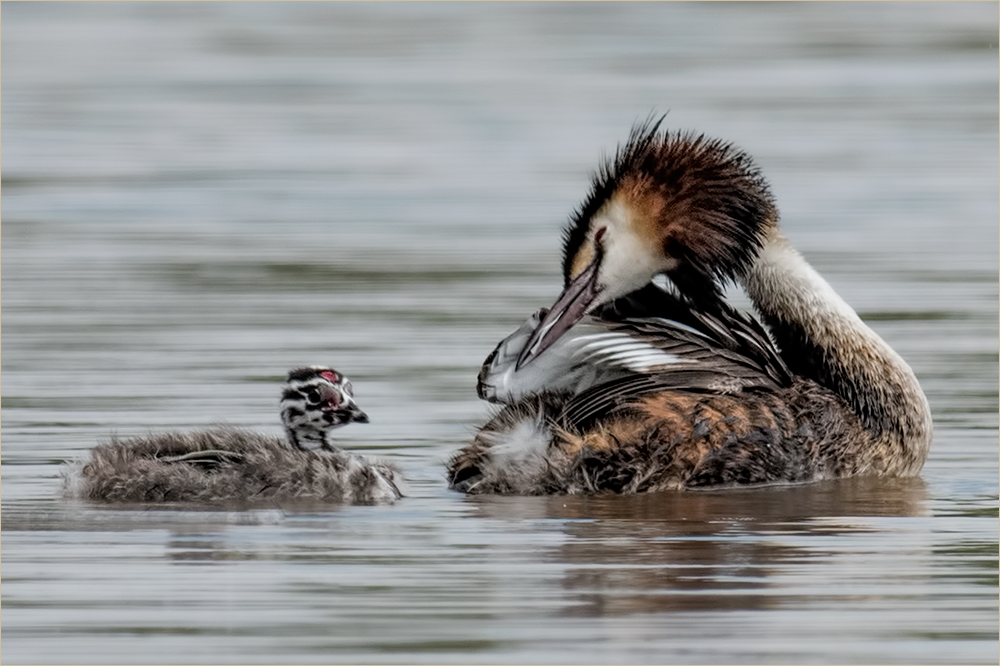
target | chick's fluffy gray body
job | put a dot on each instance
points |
(238, 466)
(229, 464)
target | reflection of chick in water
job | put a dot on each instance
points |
(700, 551)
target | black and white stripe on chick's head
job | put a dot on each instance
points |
(314, 401)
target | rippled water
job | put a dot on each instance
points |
(197, 197)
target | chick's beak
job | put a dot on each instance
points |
(573, 303)
(352, 413)
(342, 406)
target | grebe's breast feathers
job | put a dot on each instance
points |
(623, 351)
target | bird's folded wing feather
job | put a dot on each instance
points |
(717, 350)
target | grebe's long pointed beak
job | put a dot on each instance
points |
(575, 301)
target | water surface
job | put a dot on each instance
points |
(197, 197)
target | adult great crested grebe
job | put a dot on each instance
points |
(655, 390)
(227, 464)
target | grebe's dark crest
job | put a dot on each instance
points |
(624, 386)
(232, 465)
(701, 201)
(694, 209)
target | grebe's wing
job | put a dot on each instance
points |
(711, 368)
(583, 409)
(721, 329)
(726, 351)
(594, 351)
(721, 349)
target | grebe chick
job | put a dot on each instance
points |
(228, 464)
(623, 387)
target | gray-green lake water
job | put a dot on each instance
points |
(199, 196)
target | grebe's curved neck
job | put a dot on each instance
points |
(821, 337)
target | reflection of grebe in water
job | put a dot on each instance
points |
(624, 387)
(237, 465)
(623, 555)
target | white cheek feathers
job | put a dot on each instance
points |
(632, 251)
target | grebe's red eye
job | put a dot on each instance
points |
(599, 235)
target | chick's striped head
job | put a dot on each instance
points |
(314, 401)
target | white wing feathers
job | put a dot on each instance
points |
(620, 349)
(631, 353)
